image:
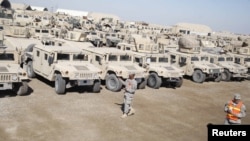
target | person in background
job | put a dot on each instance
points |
(130, 88)
(235, 110)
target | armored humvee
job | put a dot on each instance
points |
(195, 65)
(94, 38)
(158, 66)
(160, 70)
(111, 39)
(116, 63)
(67, 66)
(12, 76)
(226, 61)
(243, 58)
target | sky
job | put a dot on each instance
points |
(219, 15)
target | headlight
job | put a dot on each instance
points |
(14, 77)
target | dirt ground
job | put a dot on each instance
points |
(164, 114)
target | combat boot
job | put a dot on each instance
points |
(131, 112)
(124, 116)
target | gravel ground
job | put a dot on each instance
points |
(161, 114)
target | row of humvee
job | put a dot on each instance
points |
(70, 64)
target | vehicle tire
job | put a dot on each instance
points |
(142, 85)
(60, 84)
(179, 83)
(218, 78)
(30, 70)
(154, 81)
(21, 88)
(198, 76)
(96, 87)
(113, 83)
(226, 75)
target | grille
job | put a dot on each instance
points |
(86, 75)
(175, 74)
(5, 77)
(215, 70)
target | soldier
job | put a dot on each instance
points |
(235, 110)
(130, 87)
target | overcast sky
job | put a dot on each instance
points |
(220, 15)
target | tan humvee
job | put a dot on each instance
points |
(226, 61)
(115, 64)
(76, 35)
(188, 57)
(157, 65)
(12, 76)
(67, 66)
(160, 70)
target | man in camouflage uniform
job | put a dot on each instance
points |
(130, 87)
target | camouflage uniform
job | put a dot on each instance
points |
(130, 88)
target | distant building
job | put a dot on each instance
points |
(73, 12)
(99, 16)
(192, 29)
(20, 6)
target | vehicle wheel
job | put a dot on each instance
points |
(96, 87)
(218, 78)
(198, 76)
(113, 83)
(21, 88)
(154, 81)
(226, 75)
(60, 84)
(30, 70)
(179, 83)
(142, 85)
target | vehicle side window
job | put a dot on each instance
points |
(97, 58)
(37, 53)
(45, 56)
(237, 60)
(112, 58)
(173, 59)
(211, 60)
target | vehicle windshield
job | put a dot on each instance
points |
(221, 59)
(112, 57)
(163, 60)
(204, 58)
(125, 58)
(153, 59)
(80, 57)
(63, 56)
(6, 57)
(194, 59)
(247, 59)
(229, 58)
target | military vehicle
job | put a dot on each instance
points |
(67, 66)
(111, 39)
(12, 76)
(226, 61)
(158, 66)
(193, 63)
(159, 69)
(94, 38)
(115, 64)
(76, 35)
